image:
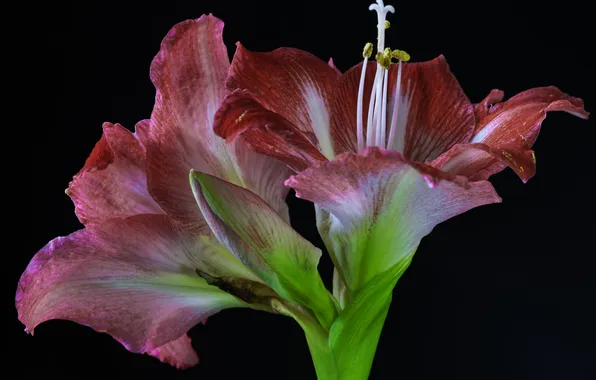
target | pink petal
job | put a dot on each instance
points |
(178, 353)
(133, 278)
(189, 73)
(113, 183)
(506, 132)
(264, 176)
(332, 65)
(433, 115)
(265, 132)
(292, 83)
(379, 199)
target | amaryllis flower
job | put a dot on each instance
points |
(151, 262)
(386, 151)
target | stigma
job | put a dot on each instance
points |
(376, 123)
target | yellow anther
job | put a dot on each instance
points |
(384, 58)
(533, 156)
(387, 53)
(387, 24)
(400, 55)
(368, 49)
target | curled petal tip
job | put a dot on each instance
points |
(290, 181)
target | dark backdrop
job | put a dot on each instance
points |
(504, 291)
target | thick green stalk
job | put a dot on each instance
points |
(316, 336)
(354, 336)
(347, 350)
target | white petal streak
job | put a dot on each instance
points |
(319, 118)
(497, 123)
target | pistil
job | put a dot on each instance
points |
(374, 127)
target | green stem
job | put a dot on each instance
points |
(316, 336)
(354, 336)
(347, 350)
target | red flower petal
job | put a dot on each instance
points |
(292, 83)
(113, 183)
(178, 353)
(133, 278)
(482, 109)
(378, 198)
(265, 132)
(479, 161)
(343, 107)
(506, 132)
(518, 120)
(434, 113)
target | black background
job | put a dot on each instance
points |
(504, 291)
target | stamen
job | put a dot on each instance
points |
(366, 53)
(381, 116)
(384, 58)
(393, 129)
(400, 55)
(382, 126)
(370, 128)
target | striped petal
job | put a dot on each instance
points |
(265, 132)
(505, 132)
(291, 83)
(433, 112)
(189, 75)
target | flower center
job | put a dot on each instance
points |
(376, 126)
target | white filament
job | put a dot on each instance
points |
(359, 121)
(370, 130)
(392, 131)
(382, 125)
